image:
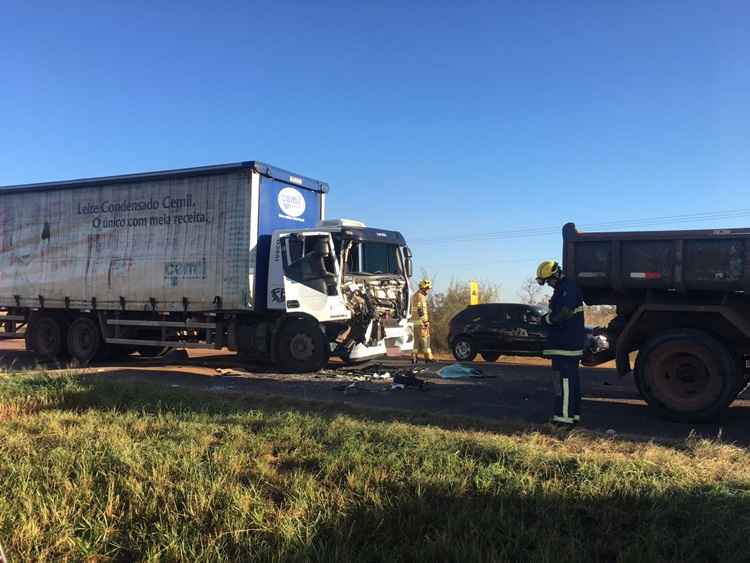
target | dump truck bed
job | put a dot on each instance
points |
(617, 267)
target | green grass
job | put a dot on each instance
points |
(96, 470)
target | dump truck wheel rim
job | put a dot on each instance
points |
(684, 377)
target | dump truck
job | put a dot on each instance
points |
(236, 256)
(682, 302)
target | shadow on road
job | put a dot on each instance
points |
(515, 397)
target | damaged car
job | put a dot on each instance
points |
(492, 330)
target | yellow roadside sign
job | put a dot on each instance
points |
(473, 293)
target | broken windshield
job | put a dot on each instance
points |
(373, 258)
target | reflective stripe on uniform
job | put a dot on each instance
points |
(578, 310)
(566, 396)
(568, 353)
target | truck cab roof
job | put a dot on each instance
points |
(355, 230)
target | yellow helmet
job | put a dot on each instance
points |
(425, 284)
(547, 270)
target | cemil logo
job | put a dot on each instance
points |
(291, 202)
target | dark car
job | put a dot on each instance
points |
(505, 329)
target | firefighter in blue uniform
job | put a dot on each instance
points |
(565, 339)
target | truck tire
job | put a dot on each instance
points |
(687, 375)
(301, 347)
(48, 337)
(490, 357)
(463, 349)
(85, 342)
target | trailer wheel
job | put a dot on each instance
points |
(687, 376)
(85, 341)
(47, 337)
(490, 357)
(301, 347)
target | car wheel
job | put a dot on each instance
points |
(463, 349)
(487, 357)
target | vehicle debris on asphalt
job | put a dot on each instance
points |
(460, 371)
(399, 378)
(229, 371)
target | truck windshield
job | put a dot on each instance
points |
(373, 258)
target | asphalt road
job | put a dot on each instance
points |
(510, 391)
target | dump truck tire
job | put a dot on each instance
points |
(687, 375)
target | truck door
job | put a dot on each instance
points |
(311, 276)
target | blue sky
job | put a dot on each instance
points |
(437, 119)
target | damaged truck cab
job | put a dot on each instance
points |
(351, 280)
(235, 256)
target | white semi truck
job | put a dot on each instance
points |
(235, 256)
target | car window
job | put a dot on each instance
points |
(472, 314)
(514, 315)
(495, 313)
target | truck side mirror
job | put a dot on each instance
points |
(408, 263)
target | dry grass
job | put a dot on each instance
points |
(101, 472)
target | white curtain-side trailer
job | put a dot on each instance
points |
(234, 256)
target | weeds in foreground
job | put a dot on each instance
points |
(93, 470)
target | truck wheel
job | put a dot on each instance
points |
(85, 341)
(463, 349)
(48, 337)
(487, 357)
(301, 347)
(687, 376)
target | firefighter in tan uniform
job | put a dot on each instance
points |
(420, 316)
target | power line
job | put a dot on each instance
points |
(524, 232)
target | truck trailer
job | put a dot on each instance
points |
(236, 256)
(682, 300)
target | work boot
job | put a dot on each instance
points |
(560, 422)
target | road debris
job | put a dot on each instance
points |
(460, 371)
(225, 371)
(408, 379)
